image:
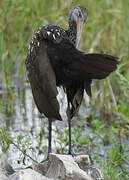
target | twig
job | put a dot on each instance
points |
(25, 154)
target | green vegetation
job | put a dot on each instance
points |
(104, 133)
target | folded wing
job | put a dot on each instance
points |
(43, 81)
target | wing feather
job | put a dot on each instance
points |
(78, 65)
(43, 81)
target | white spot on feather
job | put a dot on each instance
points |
(38, 44)
(58, 33)
(48, 33)
(54, 36)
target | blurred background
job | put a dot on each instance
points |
(101, 128)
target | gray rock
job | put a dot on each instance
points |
(2, 176)
(58, 167)
(27, 174)
(4, 165)
(42, 168)
(64, 167)
(83, 162)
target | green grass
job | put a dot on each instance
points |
(107, 30)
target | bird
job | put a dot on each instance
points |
(53, 60)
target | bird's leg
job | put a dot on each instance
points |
(69, 126)
(50, 137)
(49, 140)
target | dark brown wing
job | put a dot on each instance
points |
(77, 66)
(75, 70)
(42, 78)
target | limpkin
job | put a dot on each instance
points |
(54, 60)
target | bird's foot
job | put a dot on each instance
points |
(71, 153)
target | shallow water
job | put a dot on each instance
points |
(22, 120)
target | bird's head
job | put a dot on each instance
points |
(78, 16)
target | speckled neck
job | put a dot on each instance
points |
(72, 32)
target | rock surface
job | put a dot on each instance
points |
(5, 169)
(58, 167)
(65, 167)
(27, 174)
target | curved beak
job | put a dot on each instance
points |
(80, 25)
